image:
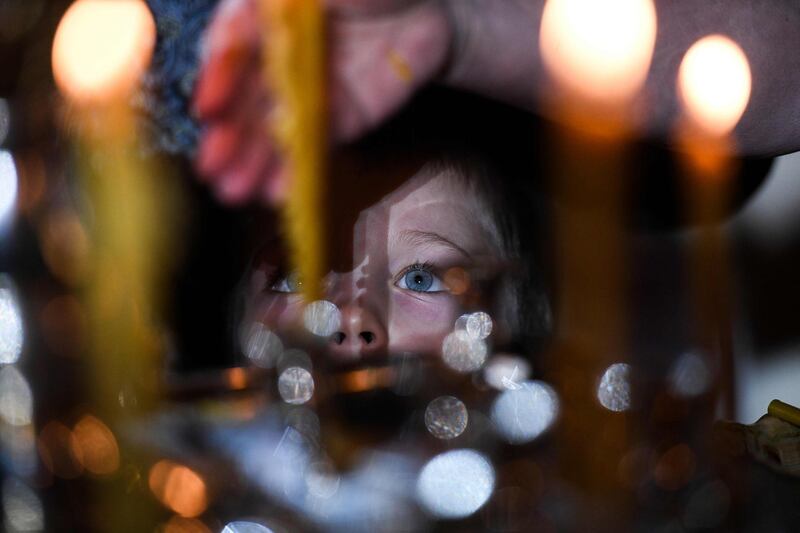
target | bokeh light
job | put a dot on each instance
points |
(614, 389)
(714, 83)
(322, 318)
(322, 480)
(96, 446)
(9, 185)
(101, 48)
(12, 332)
(178, 488)
(600, 51)
(479, 325)
(521, 415)
(505, 371)
(455, 484)
(57, 450)
(18, 446)
(689, 376)
(462, 352)
(22, 508)
(16, 398)
(262, 346)
(5, 120)
(11, 328)
(242, 526)
(295, 385)
(446, 417)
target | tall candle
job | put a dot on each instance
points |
(598, 55)
(714, 84)
(294, 70)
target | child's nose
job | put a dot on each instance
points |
(361, 333)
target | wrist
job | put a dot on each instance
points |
(494, 49)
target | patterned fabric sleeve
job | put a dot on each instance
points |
(165, 95)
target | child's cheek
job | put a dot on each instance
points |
(420, 324)
(280, 313)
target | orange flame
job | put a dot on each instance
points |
(101, 48)
(714, 83)
(599, 51)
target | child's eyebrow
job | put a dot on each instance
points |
(419, 238)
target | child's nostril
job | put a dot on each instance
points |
(368, 336)
(339, 337)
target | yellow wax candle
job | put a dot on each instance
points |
(294, 70)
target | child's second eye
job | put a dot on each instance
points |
(420, 280)
(290, 283)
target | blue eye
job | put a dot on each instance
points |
(288, 283)
(419, 279)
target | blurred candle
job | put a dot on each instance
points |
(597, 55)
(100, 50)
(294, 69)
(714, 84)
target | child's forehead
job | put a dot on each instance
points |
(444, 202)
(431, 185)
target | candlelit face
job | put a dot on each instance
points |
(413, 253)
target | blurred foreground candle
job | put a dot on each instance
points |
(597, 55)
(294, 69)
(100, 49)
(714, 84)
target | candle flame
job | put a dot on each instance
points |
(101, 48)
(600, 51)
(714, 83)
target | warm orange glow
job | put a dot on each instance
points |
(101, 48)
(599, 51)
(178, 524)
(65, 246)
(56, 445)
(457, 280)
(179, 488)
(236, 378)
(714, 83)
(96, 446)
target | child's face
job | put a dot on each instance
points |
(407, 286)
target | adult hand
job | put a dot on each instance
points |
(380, 52)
